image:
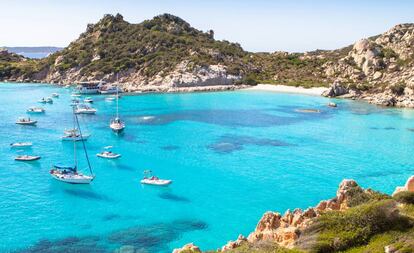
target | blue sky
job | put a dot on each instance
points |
(260, 25)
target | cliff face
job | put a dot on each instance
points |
(379, 69)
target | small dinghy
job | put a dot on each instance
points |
(55, 95)
(27, 158)
(75, 95)
(84, 109)
(21, 144)
(108, 154)
(88, 100)
(73, 135)
(332, 104)
(35, 110)
(110, 99)
(26, 122)
(153, 180)
(46, 100)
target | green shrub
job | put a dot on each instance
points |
(404, 197)
(398, 88)
(336, 231)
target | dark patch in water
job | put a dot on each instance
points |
(68, 244)
(143, 238)
(110, 217)
(155, 237)
(231, 143)
(86, 194)
(410, 129)
(124, 167)
(173, 197)
(382, 128)
(241, 118)
(170, 147)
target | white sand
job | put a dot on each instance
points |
(317, 91)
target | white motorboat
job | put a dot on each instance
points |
(91, 87)
(75, 95)
(153, 180)
(26, 122)
(88, 100)
(84, 109)
(34, 109)
(70, 174)
(74, 135)
(55, 95)
(108, 155)
(116, 124)
(109, 89)
(27, 158)
(110, 98)
(49, 100)
(42, 100)
(21, 144)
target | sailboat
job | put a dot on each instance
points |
(116, 124)
(70, 174)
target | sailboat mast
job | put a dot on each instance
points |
(74, 139)
(117, 95)
(83, 144)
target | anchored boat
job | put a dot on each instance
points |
(74, 135)
(26, 121)
(70, 174)
(34, 109)
(27, 158)
(108, 154)
(21, 144)
(153, 180)
(116, 124)
(85, 109)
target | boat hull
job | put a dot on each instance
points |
(73, 179)
(159, 182)
(108, 157)
(27, 159)
(32, 123)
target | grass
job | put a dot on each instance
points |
(261, 247)
(338, 231)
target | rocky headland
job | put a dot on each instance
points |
(352, 220)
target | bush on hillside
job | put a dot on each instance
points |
(404, 197)
(337, 231)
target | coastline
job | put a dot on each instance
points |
(316, 91)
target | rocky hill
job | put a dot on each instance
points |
(167, 54)
(379, 69)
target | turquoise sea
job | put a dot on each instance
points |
(232, 156)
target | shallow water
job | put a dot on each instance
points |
(232, 156)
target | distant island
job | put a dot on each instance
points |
(166, 54)
(33, 52)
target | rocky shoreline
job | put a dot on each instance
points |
(286, 230)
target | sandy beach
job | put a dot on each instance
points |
(317, 91)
